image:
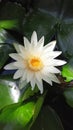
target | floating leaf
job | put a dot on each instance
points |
(21, 114)
(58, 8)
(65, 38)
(41, 22)
(38, 106)
(48, 120)
(6, 46)
(62, 12)
(67, 71)
(4, 51)
(12, 11)
(17, 115)
(8, 24)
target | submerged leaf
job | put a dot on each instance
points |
(68, 94)
(65, 38)
(6, 46)
(42, 22)
(48, 119)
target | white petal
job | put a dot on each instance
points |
(32, 84)
(38, 80)
(23, 52)
(41, 42)
(50, 46)
(22, 84)
(19, 64)
(15, 56)
(56, 62)
(16, 47)
(39, 47)
(38, 76)
(54, 78)
(40, 85)
(18, 74)
(29, 76)
(47, 79)
(10, 66)
(26, 42)
(24, 76)
(51, 76)
(52, 54)
(22, 49)
(52, 69)
(34, 39)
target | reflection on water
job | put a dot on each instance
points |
(14, 92)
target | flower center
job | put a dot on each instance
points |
(35, 64)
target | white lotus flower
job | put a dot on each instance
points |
(35, 62)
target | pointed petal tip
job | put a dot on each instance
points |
(11, 54)
(60, 52)
(51, 83)
(42, 38)
(64, 62)
(26, 42)
(5, 68)
(32, 88)
(25, 38)
(54, 43)
(34, 31)
(59, 81)
(41, 91)
(14, 77)
(16, 46)
(34, 38)
(34, 34)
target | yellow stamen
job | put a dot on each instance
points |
(35, 64)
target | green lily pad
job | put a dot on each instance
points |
(8, 24)
(21, 114)
(67, 71)
(12, 11)
(17, 115)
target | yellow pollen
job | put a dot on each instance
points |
(35, 64)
